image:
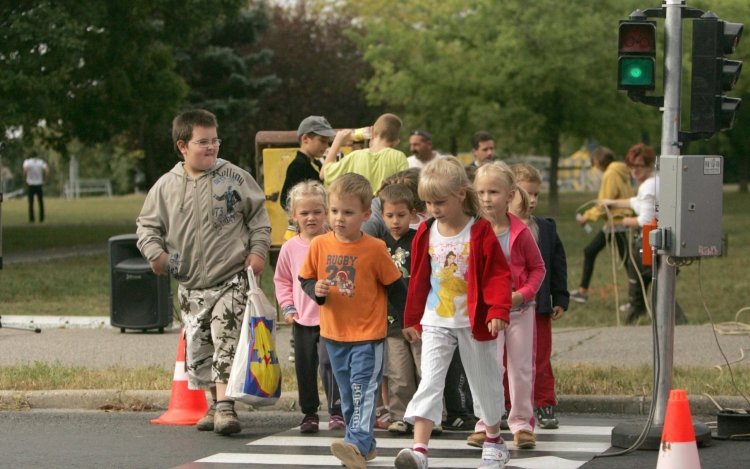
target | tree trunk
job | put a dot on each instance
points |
(554, 192)
(744, 170)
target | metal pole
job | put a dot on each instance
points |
(665, 294)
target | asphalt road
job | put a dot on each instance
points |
(96, 439)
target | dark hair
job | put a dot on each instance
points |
(426, 136)
(479, 137)
(603, 156)
(183, 125)
(644, 151)
(396, 194)
(410, 179)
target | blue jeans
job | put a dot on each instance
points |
(358, 370)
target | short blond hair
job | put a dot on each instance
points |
(387, 127)
(352, 185)
(443, 177)
(526, 173)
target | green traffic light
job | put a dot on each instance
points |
(636, 72)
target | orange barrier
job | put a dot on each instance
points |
(186, 406)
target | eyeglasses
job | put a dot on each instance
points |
(207, 143)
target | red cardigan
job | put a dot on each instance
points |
(488, 278)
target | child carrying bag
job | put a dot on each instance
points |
(255, 377)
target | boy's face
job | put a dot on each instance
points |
(397, 217)
(346, 216)
(533, 189)
(314, 146)
(197, 158)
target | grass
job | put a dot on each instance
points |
(81, 286)
(571, 380)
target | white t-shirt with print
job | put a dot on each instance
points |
(447, 301)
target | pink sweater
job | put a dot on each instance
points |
(526, 263)
(286, 279)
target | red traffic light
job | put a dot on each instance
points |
(637, 37)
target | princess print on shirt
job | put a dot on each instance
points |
(448, 294)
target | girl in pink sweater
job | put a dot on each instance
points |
(496, 187)
(308, 207)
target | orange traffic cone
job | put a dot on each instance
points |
(678, 447)
(186, 406)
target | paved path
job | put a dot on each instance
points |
(106, 346)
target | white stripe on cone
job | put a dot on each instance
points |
(678, 456)
(179, 372)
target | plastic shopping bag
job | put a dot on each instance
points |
(255, 377)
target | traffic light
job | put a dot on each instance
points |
(713, 75)
(636, 65)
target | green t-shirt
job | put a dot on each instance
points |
(374, 166)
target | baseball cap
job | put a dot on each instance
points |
(423, 133)
(316, 125)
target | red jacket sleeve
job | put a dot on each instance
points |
(495, 279)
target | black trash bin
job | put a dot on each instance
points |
(138, 298)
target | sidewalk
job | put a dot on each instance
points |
(105, 346)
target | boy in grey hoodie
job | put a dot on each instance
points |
(205, 223)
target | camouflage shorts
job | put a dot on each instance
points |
(212, 318)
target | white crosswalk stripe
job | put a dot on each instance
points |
(568, 447)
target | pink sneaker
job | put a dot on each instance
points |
(337, 422)
(382, 418)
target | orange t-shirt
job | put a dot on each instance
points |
(356, 307)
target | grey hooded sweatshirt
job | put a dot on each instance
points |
(208, 226)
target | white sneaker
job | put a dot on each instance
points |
(624, 308)
(494, 456)
(410, 459)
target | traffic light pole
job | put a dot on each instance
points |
(666, 273)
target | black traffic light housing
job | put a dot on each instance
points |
(636, 63)
(713, 75)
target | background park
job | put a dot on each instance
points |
(102, 83)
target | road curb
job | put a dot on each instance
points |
(113, 399)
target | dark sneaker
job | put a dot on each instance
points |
(634, 315)
(226, 421)
(400, 427)
(504, 421)
(579, 297)
(348, 454)
(206, 423)
(437, 430)
(545, 417)
(337, 422)
(461, 424)
(309, 424)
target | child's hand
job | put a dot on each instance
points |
(291, 318)
(322, 288)
(159, 265)
(557, 312)
(495, 326)
(412, 335)
(516, 299)
(343, 137)
(255, 262)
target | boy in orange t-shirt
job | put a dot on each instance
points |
(351, 275)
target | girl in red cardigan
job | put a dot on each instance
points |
(459, 296)
(496, 186)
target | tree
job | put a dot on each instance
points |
(533, 73)
(319, 68)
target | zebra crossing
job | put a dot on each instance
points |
(568, 447)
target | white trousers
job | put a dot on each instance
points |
(518, 342)
(480, 364)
